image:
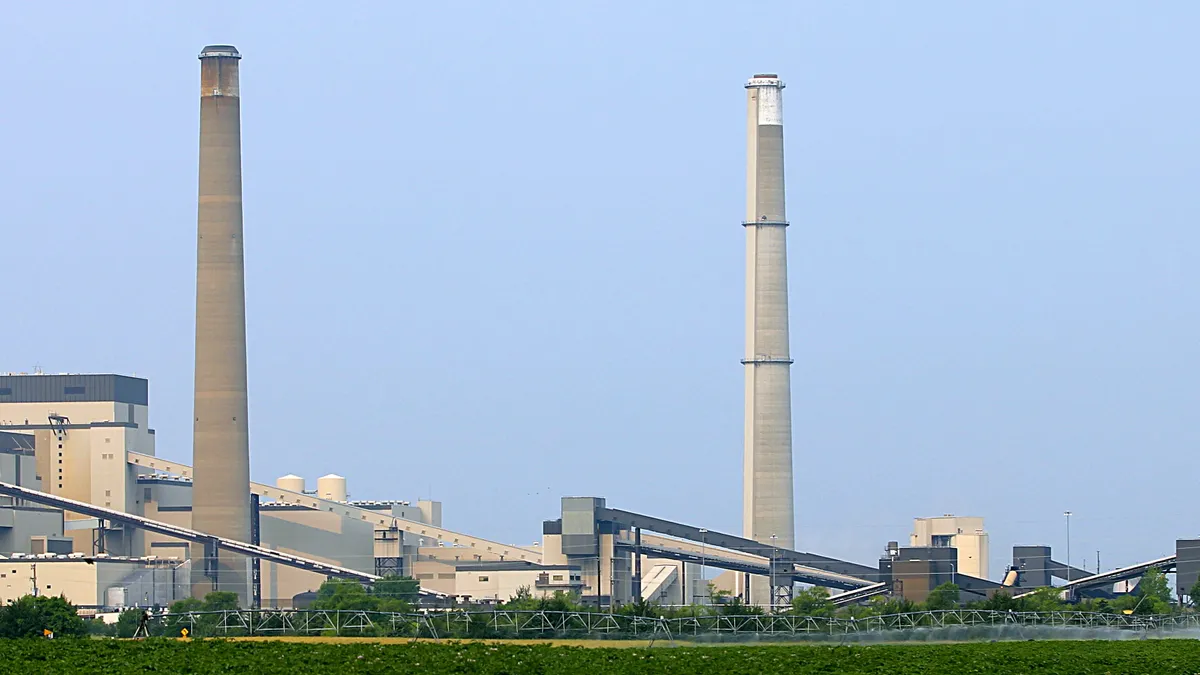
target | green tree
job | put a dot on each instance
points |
(396, 593)
(523, 600)
(943, 597)
(641, 607)
(1194, 594)
(1045, 599)
(1154, 586)
(735, 607)
(1153, 594)
(884, 606)
(812, 602)
(345, 594)
(186, 605)
(127, 622)
(220, 601)
(30, 615)
(1001, 601)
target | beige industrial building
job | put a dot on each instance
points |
(492, 582)
(966, 534)
(90, 436)
(83, 428)
(100, 581)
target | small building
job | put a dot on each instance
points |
(500, 581)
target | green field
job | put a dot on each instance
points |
(1149, 657)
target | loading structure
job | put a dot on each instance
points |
(612, 543)
(609, 545)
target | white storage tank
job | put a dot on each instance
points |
(118, 597)
(290, 482)
(332, 487)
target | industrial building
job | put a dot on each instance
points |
(89, 510)
(965, 535)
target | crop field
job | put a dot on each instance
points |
(65, 657)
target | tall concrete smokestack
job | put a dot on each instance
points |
(220, 446)
(768, 509)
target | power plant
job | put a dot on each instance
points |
(768, 509)
(221, 437)
(90, 510)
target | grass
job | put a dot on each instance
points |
(346, 655)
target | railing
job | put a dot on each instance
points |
(542, 624)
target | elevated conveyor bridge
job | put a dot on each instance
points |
(210, 542)
(1164, 564)
(380, 520)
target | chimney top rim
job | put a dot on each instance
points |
(228, 51)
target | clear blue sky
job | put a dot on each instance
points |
(494, 252)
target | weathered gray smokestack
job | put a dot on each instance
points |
(769, 508)
(220, 447)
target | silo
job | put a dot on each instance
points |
(332, 487)
(290, 482)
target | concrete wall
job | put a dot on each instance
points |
(435, 574)
(1187, 570)
(34, 416)
(316, 535)
(20, 523)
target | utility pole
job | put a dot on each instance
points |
(33, 569)
(774, 550)
(1068, 515)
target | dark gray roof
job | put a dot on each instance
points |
(510, 565)
(72, 388)
(16, 443)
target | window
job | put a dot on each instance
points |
(108, 493)
(60, 446)
(108, 440)
(47, 586)
(60, 461)
(942, 540)
(73, 391)
(483, 578)
(557, 577)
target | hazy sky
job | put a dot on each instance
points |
(494, 252)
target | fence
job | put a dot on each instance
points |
(543, 624)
